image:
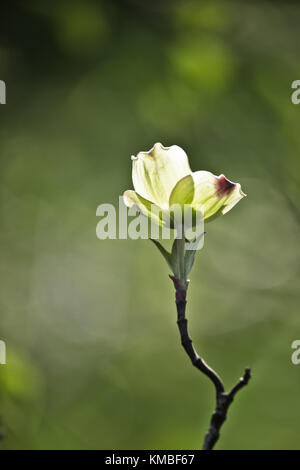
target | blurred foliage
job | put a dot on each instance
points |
(93, 354)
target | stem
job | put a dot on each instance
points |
(223, 399)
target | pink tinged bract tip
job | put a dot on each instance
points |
(224, 186)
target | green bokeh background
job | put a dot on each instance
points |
(93, 353)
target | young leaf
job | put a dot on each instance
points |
(189, 256)
(171, 258)
(175, 258)
(164, 252)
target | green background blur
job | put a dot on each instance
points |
(93, 352)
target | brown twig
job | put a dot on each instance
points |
(223, 399)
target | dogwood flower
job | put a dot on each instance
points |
(162, 178)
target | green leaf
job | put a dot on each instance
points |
(164, 252)
(175, 258)
(171, 258)
(189, 256)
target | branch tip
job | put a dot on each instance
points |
(223, 399)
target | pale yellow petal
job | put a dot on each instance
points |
(155, 173)
(148, 208)
(216, 194)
